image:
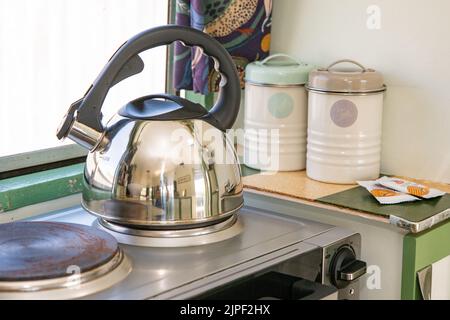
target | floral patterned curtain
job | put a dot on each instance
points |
(241, 26)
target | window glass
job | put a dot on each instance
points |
(50, 53)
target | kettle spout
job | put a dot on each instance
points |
(84, 135)
(79, 132)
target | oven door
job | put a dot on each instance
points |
(271, 285)
(298, 277)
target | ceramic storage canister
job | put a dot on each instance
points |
(276, 114)
(344, 123)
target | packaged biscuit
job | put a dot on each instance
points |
(385, 195)
(410, 187)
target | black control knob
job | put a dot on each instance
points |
(345, 268)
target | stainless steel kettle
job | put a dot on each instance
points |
(161, 161)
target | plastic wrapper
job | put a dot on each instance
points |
(412, 188)
(385, 195)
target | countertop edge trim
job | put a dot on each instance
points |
(313, 203)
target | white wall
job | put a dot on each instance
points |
(411, 49)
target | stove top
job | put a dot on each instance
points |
(221, 231)
(46, 250)
(181, 272)
(49, 260)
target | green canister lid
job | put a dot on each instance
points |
(278, 69)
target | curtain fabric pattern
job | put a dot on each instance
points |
(241, 26)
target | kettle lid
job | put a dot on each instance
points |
(162, 107)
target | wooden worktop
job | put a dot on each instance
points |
(293, 184)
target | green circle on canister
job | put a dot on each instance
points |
(280, 105)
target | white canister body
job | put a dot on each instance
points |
(345, 111)
(344, 137)
(276, 113)
(275, 127)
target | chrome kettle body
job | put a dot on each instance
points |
(162, 161)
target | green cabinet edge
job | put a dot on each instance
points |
(419, 251)
(41, 186)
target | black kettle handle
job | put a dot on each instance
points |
(223, 113)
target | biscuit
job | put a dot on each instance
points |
(418, 191)
(383, 193)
